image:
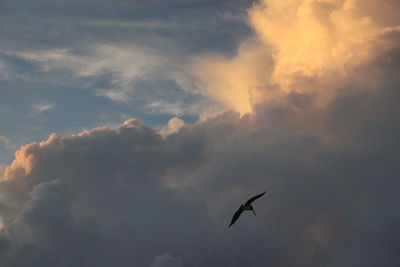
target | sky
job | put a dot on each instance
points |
(131, 131)
(73, 65)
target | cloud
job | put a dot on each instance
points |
(41, 107)
(129, 195)
(114, 95)
(125, 65)
(231, 81)
(298, 46)
(325, 152)
(172, 126)
(166, 260)
(124, 74)
(62, 211)
(314, 37)
(7, 142)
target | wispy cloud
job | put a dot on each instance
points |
(116, 95)
(123, 64)
(42, 107)
(7, 143)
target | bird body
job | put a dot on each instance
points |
(246, 206)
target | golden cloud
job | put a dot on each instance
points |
(296, 38)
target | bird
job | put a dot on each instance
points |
(246, 206)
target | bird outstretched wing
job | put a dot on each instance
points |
(253, 198)
(236, 216)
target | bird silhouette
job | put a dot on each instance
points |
(246, 206)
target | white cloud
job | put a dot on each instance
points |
(42, 107)
(116, 95)
(124, 64)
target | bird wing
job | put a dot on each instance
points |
(253, 198)
(236, 216)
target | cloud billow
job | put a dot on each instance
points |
(325, 152)
(126, 195)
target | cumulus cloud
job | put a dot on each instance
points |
(129, 195)
(232, 80)
(313, 37)
(172, 126)
(128, 217)
(321, 141)
(299, 46)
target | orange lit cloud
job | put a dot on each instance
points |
(172, 126)
(313, 36)
(231, 80)
(298, 40)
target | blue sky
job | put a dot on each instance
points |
(49, 51)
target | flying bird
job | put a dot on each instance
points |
(246, 206)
